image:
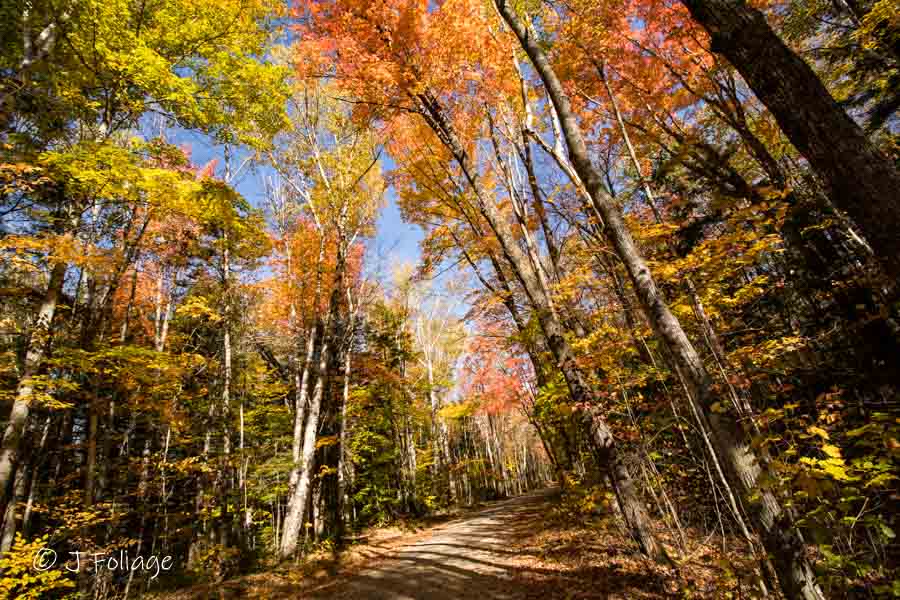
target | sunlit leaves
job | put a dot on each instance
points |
(20, 578)
(194, 60)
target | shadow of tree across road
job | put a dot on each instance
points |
(506, 551)
(488, 556)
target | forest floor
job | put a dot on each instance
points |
(514, 548)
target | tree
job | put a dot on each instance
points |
(861, 180)
(630, 283)
(340, 163)
(779, 536)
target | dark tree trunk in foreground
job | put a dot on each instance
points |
(861, 180)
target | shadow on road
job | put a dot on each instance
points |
(474, 558)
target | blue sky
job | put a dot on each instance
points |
(397, 236)
(398, 240)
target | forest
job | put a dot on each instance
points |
(276, 274)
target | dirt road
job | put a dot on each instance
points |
(507, 550)
(469, 558)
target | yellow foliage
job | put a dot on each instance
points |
(24, 575)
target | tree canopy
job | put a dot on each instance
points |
(658, 270)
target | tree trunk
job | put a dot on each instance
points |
(90, 465)
(126, 318)
(142, 499)
(342, 441)
(581, 395)
(32, 485)
(780, 537)
(440, 459)
(223, 477)
(861, 180)
(10, 519)
(34, 356)
(302, 386)
(293, 521)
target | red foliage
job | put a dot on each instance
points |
(494, 373)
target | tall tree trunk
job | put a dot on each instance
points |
(32, 485)
(90, 465)
(441, 462)
(10, 519)
(861, 180)
(451, 462)
(780, 537)
(293, 521)
(34, 357)
(409, 443)
(709, 331)
(142, 499)
(223, 477)
(581, 395)
(126, 318)
(342, 442)
(302, 386)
